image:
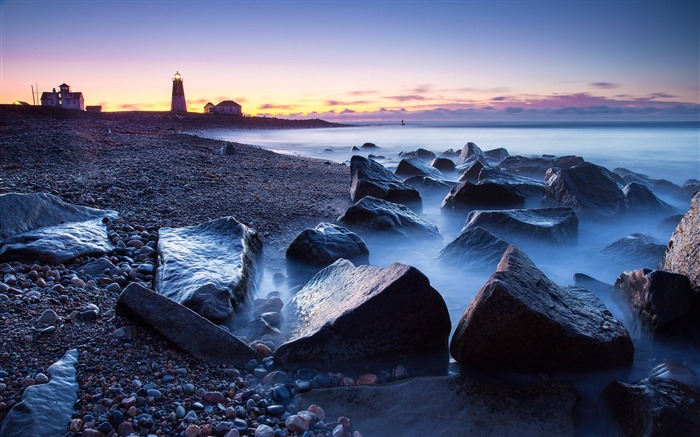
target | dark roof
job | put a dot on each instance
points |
(228, 103)
(209, 104)
(47, 94)
(64, 84)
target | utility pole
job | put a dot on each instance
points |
(33, 98)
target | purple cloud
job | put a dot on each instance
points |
(341, 103)
(362, 92)
(407, 98)
(271, 106)
(604, 85)
(663, 95)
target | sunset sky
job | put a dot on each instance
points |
(364, 60)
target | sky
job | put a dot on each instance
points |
(364, 60)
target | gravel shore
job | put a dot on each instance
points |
(154, 174)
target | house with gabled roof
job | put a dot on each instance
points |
(63, 98)
(226, 107)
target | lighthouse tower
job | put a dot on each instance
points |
(177, 104)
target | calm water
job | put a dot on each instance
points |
(662, 151)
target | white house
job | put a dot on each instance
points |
(226, 107)
(63, 99)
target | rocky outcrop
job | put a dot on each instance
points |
(46, 409)
(209, 268)
(640, 200)
(536, 167)
(655, 407)
(422, 154)
(41, 227)
(369, 178)
(530, 188)
(683, 250)
(589, 189)
(495, 156)
(186, 329)
(556, 226)
(521, 320)
(325, 244)
(468, 196)
(471, 171)
(474, 247)
(445, 165)
(633, 251)
(662, 300)
(416, 167)
(357, 314)
(480, 407)
(380, 216)
(429, 186)
(470, 152)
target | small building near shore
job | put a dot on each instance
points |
(95, 108)
(63, 98)
(226, 107)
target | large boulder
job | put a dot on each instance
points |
(530, 188)
(536, 167)
(46, 409)
(416, 167)
(471, 171)
(429, 187)
(369, 178)
(186, 329)
(495, 156)
(470, 152)
(41, 227)
(655, 407)
(639, 199)
(474, 247)
(443, 164)
(209, 268)
(325, 244)
(521, 320)
(662, 300)
(589, 189)
(556, 226)
(377, 215)
(349, 314)
(683, 250)
(468, 196)
(633, 251)
(422, 154)
(451, 406)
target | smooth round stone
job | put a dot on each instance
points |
(114, 288)
(275, 410)
(116, 418)
(192, 431)
(168, 378)
(323, 380)
(303, 386)
(157, 395)
(213, 397)
(295, 423)
(281, 394)
(197, 406)
(49, 317)
(188, 389)
(180, 411)
(105, 427)
(240, 425)
(190, 417)
(259, 373)
(264, 431)
(4, 374)
(41, 378)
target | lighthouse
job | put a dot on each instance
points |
(178, 104)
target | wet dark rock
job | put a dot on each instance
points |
(470, 152)
(227, 149)
(376, 215)
(589, 189)
(640, 200)
(357, 314)
(99, 267)
(662, 300)
(536, 167)
(209, 268)
(655, 407)
(521, 320)
(676, 371)
(468, 196)
(326, 243)
(474, 247)
(369, 146)
(682, 253)
(471, 171)
(422, 154)
(669, 224)
(430, 186)
(41, 227)
(556, 226)
(495, 156)
(369, 178)
(591, 283)
(636, 250)
(450, 153)
(416, 167)
(188, 330)
(530, 188)
(445, 165)
(482, 408)
(46, 409)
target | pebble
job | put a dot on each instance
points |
(317, 411)
(188, 389)
(264, 431)
(47, 318)
(114, 288)
(368, 379)
(156, 394)
(213, 397)
(180, 411)
(4, 288)
(192, 431)
(197, 406)
(281, 394)
(76, 425)
(41, 378)
(275, 410)
(190, 417)
(295, 423)
(233, 433)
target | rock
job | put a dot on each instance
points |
(662, 300)
(369, 146)
(589, 189)
(209, 268)
(99, 267)
(474, 247)
(264, 431)
(41, 378)
(376, 215)
(495, 156)
(429, 186)
(683, 249)
(213, 397)
(445, 165)
(590, 283)
(41, 227)
(457, 406)
(192, 431)
(470, 152)
(357, 314)
(555, 226)
(536, 167)
(189, 331)
(326, 243)
(655, 407)
(468, 196)
(640, 200)
(296, 424)
(369, 178)
(521, 320)
(416, 167)
(471, 171)
(530, 188)
(669, 224)
(676, 371)
(227, 149)
(47, 318)
(422, 154)
(46, 409)
(636, 250)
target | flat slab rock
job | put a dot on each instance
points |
(352, 314)
(370, 178)
(474, 247)
(46, 409)
(209, 268)
(450, 406)
(41, 227)
(556, 226)
(521, 320)
(186, 329)
(683, 250)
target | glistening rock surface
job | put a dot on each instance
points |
(556, 226)
(468, 196)
(209, 268)
(357, 314)
(327, 243)
(521, 320)
(474, 247)
(369, 178)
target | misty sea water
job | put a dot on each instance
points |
(660, 150)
